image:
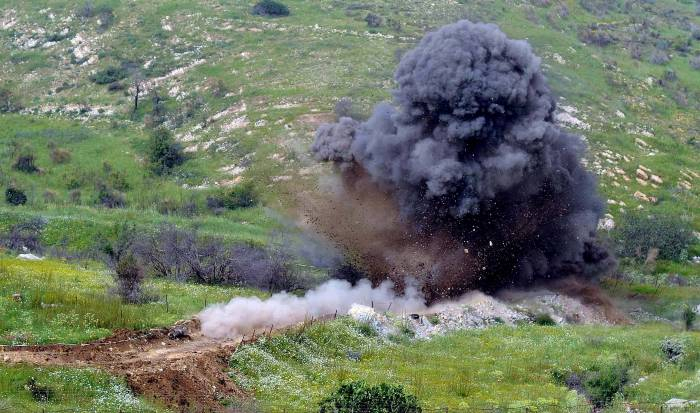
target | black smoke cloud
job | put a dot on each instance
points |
(469, 149)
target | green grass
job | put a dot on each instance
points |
(62, 303)
(515, 367)
(72, 390)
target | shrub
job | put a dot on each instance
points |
(129, 278)
(360, 397)
(163, 152)
(688, 316)
(373, 20)
(75, 196)
(59, 155)
(109, 75)
(109, 197)
(597, 36)
(659, 57)
(39, 392)
(105, 15)
(343, 108)
(23, 235)
(8, 101)
(270, 8)
(637, 233)
(25, 163)
(544, 319)
(602, 383)
(15, 196)
(240, 196)
(695, 62)
(673, 349)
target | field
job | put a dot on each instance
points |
(242, 96)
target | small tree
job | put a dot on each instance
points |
(358, 396)
(689, 317)
(163, 152)
(129, 278)
(15, 196)
(270, 8)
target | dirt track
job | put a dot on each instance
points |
(187, 374)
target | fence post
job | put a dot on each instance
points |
(167, 305)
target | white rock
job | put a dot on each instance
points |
(29, 257)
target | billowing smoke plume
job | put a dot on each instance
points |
(243, 315)
(489, 191)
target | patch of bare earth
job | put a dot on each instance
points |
(186, 373)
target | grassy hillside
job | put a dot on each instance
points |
(54, 302)
(508, 367)
(243, 93)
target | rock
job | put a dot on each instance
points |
(676, 279)
(656, 179)
(17, 297)
(642, 182)
(685, 184)
(641, 143)
(178, 332)
(29, 257)
(641, 196)
(679, 404)
(606, 224)
(641, 174)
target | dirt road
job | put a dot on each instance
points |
(186, 373)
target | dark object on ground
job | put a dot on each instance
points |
(374, 20)
(40, 392)
(358, 396)
(270, 8)
(178, 332)
(25, 163)
(673, 349)
(15, 196)
(354, 355)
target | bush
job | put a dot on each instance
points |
(109, 197)
(373, 20)
(695, 62)
(544, 319)
(359, 397)
(270, 8)
(129, 278)
(23, 235)
(39, 392)
(240, 196)
(25, 163)
(163, 152)
(15, 196)
(8, 101)
(596, 35)
(688, 316)
(602, 383)
(109, 75)
(659, 57)
(673, 349)
(637, 233)
(59, 155)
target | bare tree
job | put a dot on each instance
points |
(138, 85)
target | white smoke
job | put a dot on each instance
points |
(242, 315)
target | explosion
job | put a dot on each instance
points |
(464, 181)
